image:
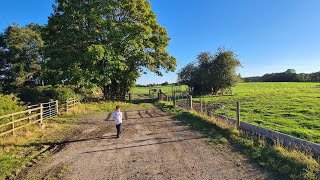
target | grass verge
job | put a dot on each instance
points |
(20, 150)
(284, 163)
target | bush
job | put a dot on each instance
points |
(62, 93)
(9, 104)
(45, 93)
(32, 95)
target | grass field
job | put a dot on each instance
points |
(290, 108)
(165, 89)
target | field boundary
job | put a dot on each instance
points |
(33, 114)
(277, 137)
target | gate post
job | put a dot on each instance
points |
(174, 98)
(41, 115)
(190, 102)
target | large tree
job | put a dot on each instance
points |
(20, 56)
(211, 73)
(104, 42)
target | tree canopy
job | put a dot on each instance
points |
(289, 75)
(20, 56)
(211, 72)
(107, 43)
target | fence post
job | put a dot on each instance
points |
(57, 106)
(174, 98)
(67, 108)
(160, 94)
(130, 96)
(238, 114)
(201, 106)
(41, 114)
(50, 111)
(12, 125)
(29, 113)
(190, 102)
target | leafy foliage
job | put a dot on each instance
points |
(45, 93)
(104, 43)
(9, 104)
(289, 75)
(211, 73)
(20, 56)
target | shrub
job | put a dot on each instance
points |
(45, 93)
(62, 93)
(32, 95)
(9, 104)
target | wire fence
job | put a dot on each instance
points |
(229, 112)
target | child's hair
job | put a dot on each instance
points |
(117, 107)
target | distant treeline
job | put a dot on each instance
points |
(155, 84)
(289, 75)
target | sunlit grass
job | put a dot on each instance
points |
(291, 108)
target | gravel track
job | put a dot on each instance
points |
(153, 145)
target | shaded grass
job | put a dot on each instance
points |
(286, 164)
(17, 151)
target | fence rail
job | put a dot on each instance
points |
(34, 114)
(17, 120)
(71, 103)
(284, 139)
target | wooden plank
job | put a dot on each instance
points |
(21, 112)
(16, 128)
(18, 120)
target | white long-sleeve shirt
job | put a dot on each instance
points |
(117, 116)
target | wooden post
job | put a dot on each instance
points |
(201, 106)
(174, 99)
(238, 114)
(57, 106)
(12, 125)
(50, 111)
(130, 96)
(190, 102)
(67, 106)
(29, 113)
(41, 115)
(160, 93)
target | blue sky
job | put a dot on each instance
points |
(268, 35)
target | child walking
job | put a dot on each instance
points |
(117, 116)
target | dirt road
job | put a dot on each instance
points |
(152, 146)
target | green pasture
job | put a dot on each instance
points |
(290, 108)
(165, 89)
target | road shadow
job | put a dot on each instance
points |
(142, 145)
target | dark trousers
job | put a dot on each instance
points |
(118, 129)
